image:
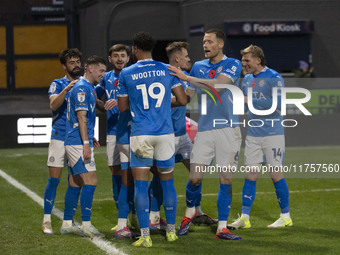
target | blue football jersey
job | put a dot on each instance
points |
(148, 85)
(59, 116)
(82, 98)
(178, 116)
(229, 67)
(124, 128)
(109, 86)
(262, 86)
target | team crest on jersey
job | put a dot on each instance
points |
(261, 83)
(279, 83)
(212, 73)
(219, 69)
(53, 87)
(253, 85)
(81, 96)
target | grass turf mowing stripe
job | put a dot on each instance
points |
(104, 245)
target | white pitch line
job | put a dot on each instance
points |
(104, 245)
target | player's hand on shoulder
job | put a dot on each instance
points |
(70, 86)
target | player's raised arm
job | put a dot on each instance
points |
(198, 82)
(57, 100)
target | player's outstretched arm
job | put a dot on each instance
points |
(198, 82)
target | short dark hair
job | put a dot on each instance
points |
(218, 32)
(69, 53)
(144, 41)
(176, 47)
(95, 60)
(119, 47)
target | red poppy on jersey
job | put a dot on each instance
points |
(212, 73)
(253, 85)
(116, 83)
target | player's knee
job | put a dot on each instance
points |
(195, 181)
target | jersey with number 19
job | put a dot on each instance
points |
(148, 84)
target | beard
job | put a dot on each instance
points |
(75, 72)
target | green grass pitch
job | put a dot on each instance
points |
(314, 204)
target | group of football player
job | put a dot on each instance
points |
(145, 104)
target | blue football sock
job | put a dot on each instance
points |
(248, 195)
(71, 202)
(170, 200)
(199, 197)
(131, 196)
(224, 201)
(50, 193)
(142, 203)
(156, 194)
(124, 209)
(192, 193)
(86, 199)
(282, 194)
(116, 184)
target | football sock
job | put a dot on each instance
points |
(154, 217)
(198, 201)
(71, 202)
(192, 194)
(50, 193)
(282, 193)
(123, 211)
(170, 200)
(156, 194)
(248, 196)
(116, 184)
(224, 202)
(142, 204)
(122, 223)
(221, 225)
(86, 199)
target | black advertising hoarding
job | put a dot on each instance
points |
(269, 27)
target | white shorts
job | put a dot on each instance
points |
(224, 143)
(112, 151)
(268, 149)
(147, 148)
(76, 163)
(56, 154)
(183, 147)
(124, 153)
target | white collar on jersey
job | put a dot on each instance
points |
(264, 69)
(147, 59)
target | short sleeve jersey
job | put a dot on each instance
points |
(262, 86)
(59, 115)
(148, 85)
(109, 86)
(219, 105)
(82, 98)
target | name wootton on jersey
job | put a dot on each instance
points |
(148, 74)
